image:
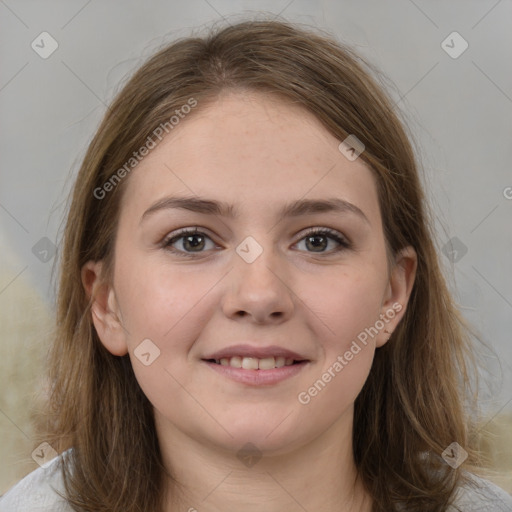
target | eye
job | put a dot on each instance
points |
(317, 240)
(191, 241)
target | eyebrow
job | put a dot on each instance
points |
(293, 209)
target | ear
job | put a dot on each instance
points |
(398, 291)
(106, 315)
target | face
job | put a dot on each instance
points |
(313, 282)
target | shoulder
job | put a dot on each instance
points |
(480, 495)
(38, 491)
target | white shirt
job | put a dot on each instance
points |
(38, 492)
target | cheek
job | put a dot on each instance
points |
(348, 306)
(167, 307)
(161, 303)
(349, 312)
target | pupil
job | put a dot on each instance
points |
(316, 237)
(191, 237)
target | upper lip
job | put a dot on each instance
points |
(257, 352)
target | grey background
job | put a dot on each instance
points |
(458, 109)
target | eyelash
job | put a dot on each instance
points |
(330, 233)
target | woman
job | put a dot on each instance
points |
(251, 313)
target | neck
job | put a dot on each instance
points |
(319, 475)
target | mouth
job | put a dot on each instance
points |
(255, 372)
(255, 363)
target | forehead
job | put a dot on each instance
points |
(253, 151)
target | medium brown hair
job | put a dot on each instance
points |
(412, 404)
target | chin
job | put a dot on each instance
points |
(270, 435)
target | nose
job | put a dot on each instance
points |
(259, 288)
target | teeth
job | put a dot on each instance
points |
(253, 363)
(266, 364)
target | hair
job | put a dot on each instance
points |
(412, 405)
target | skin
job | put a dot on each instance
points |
(258, 153)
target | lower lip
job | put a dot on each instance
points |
(257, 377)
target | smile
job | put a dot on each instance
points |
(256, 372)
(255, 363)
